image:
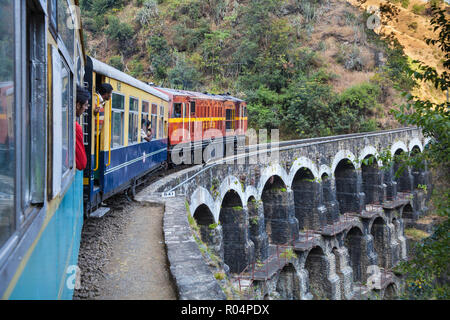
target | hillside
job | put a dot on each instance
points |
(307, 67)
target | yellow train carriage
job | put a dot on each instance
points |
(119, 156)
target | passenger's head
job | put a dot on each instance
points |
(83, 97)
(105, 90)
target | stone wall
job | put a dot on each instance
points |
(316, 189)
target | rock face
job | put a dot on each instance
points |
(340, 218)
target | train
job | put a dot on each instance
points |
(44, 199)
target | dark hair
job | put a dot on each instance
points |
(105, 88)
(82, 95)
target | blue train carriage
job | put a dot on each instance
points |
(41, 207)
(119, 158)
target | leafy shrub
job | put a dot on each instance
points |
(119, 31)
(405, 3)
(99, 7)
(418, 8)
(116, 62)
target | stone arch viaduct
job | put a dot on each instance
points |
(334, 201)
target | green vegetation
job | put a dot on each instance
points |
(257, 50)
(418, 8)
(416, 234)
(427, 273)
(288, 254)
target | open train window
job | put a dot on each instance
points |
(192, 107)
(8, 86)
(133, 121)
(66, 24)
(118, 116)
(154, 119)
(176, 110)
(161, 122)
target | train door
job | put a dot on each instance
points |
(192, 114)
(97, 131)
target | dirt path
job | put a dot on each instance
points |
(137, 268)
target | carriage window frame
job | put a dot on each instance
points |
(122, 120)
(133, 121)
(175, 107)
(154, 119)
(144, 115)
(161, 122)
(61, 179)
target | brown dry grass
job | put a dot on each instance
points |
(413, 41)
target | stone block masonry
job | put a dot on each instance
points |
(342, 217)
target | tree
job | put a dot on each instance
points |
(427, 273)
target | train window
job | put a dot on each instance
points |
(154, 119)
(161, 122)
(35, 118)
(133, 121)
(192, 107)
(145, 107)
(52, 9)
(67, 117)
(176, 110)
(7, 115)
(118, 115)
(66, 26)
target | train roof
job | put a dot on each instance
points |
(199, 95)
(111, 72)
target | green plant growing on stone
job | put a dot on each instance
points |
(288, 254)
(219, 275)
(254, 220)
(423, 187)
(213, 225)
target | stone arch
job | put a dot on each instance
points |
(390, 292)
(354, 243)
(343, 155)
(329, 199)
(371, 179)
(279, 217)
(318, 269)
(426, 141)
(299, 164)
(418, 170)
(203, 215)
(268, 173)
(415, 142)
(403, 179)
(378, 230)
(210, 234)
(250, 192)
(398, 145)
(232, 183)
(307, 200)
(408, 212)
(324, 169)
(201, 196)
(288, 284)
(369, 151)
(238, 249)
(346, 180)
